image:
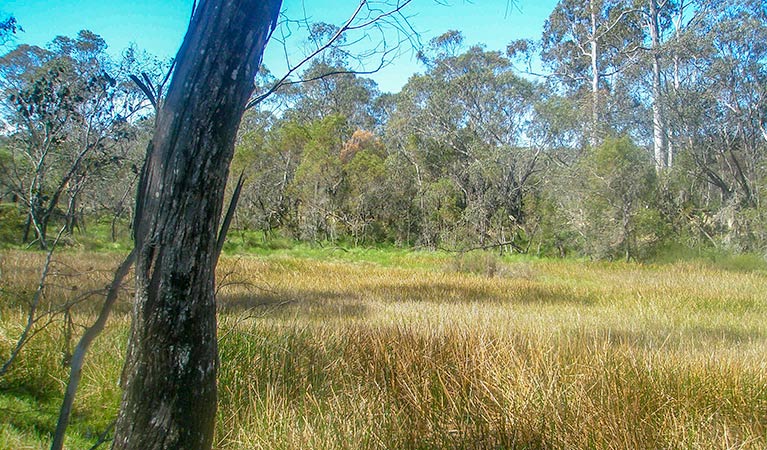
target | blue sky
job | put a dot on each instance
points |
(158, 26)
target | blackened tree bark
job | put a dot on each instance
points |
(169, 399)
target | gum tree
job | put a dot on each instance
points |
(586, 43)
(67, 117)
(169, 379)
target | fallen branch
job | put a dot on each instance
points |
(489, 246)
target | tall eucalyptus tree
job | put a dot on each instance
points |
(587, 42)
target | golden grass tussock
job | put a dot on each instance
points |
(534, 355)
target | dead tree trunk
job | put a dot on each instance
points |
(169, 379)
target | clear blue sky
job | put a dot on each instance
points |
(158, 26)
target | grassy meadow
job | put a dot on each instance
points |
(388, 349)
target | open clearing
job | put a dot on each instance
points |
(401, 350)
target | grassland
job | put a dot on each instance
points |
(330, 349)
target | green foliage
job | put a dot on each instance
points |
(573, 25)
(550, 231)
(105, 234)
(12, 220)
(460, 125)
(318, 180)
(618, 182)
(257, 242)
(343, 94)
(441, 209)
(468, 154)
(738, 263)
(72, 129)
(366, 181)
(711, 257)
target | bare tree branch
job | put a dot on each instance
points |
(78, 358)
(229, 215)
(32, 318)
(147, 90)
(375, 17)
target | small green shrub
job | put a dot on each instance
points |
(717, 259)
(746, 262)
(478, 263)
(12, 220)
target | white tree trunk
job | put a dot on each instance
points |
(595, 77)
(662, 159)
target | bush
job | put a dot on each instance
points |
(13, 220)
(615, 211)
(478, 263)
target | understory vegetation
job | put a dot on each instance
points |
(650, 135)
(327, 348)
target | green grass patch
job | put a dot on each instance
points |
(254, 243)
(714, 258)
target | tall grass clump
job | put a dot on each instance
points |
(477, 262)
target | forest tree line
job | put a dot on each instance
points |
(629, 127)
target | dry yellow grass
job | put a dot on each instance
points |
(547, 354)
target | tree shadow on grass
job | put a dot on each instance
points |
(441, 292)
(315, 304)
(341, 304)
(23, 411)
(720, 333)
(674, 338)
